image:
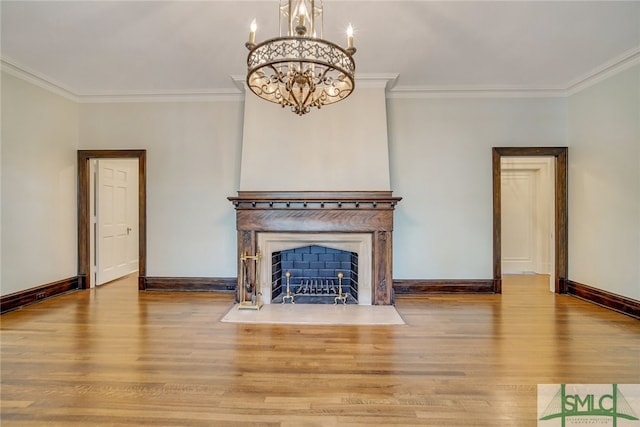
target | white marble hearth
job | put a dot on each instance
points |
(360, 243)
(316, 314)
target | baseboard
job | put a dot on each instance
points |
(30, 296)
(400, 286)
(188, 284)
(448, 286)
(605, 299)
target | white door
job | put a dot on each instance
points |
(518, 221)
(116, 219)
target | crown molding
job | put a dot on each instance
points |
(224, 95)
(623, 62)
(413, 92)
(12, 67)
(376, 81)
(388, 82)
(240, 81)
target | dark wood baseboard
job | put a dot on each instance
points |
(30, 296)
(188, 284)
(605, 299)
(400, 287)
(434, 286)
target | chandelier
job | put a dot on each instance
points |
(299, 69)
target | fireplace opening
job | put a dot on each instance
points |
(316, 275)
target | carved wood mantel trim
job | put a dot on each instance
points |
(322, 212)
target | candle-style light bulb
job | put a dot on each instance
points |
(252, 33)
(301, 12)
(349, 37)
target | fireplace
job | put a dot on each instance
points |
(313, 274)
(316, 246)
(357, 225)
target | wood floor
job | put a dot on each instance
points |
(118, 357)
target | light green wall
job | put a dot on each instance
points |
(39, 142)
(440, 154)
(319, 151)
(604, 184)
(193, 165)
(440, 163)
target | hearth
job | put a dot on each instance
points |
(361, 223)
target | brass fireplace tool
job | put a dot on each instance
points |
(248, 294)
(288, 296)
(340, 297)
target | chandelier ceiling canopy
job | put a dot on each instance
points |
(299, 69)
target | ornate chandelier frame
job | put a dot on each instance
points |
(300, 71)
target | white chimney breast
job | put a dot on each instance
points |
(340, 147)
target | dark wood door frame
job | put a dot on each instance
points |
(84, 211)
(560, 207)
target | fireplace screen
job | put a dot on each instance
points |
(315, 275)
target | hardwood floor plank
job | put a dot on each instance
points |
(114, 356)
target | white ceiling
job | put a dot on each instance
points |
(192, 47)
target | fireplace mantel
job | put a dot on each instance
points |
(323, 212)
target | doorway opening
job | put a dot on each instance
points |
(559, 258)
(85, 223)
(527, 216)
